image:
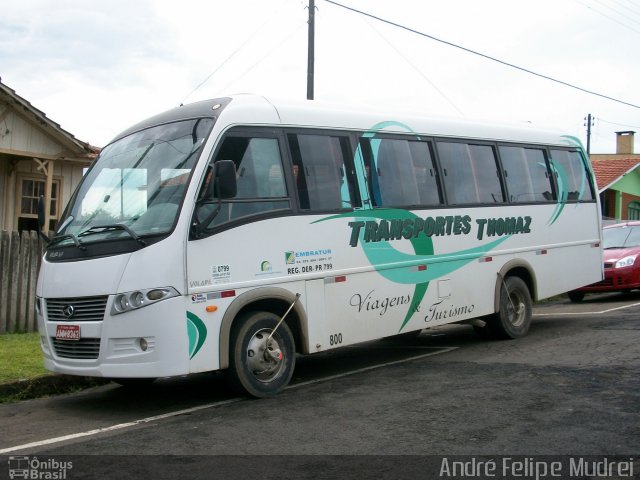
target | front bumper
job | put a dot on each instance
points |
(146, 343)
(615, 280)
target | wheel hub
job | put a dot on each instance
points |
(516, 309)
(264, 356)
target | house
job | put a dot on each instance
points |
(618, 179)
(37, 159)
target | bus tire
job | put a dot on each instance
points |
(256, 368)
(514, 316)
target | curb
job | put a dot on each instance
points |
(46, 385)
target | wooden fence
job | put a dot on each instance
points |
(20, 257)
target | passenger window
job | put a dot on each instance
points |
(323, 171)
(470, 173)
(571, 175)
(400, 173)
(526, 174)
(260, 180)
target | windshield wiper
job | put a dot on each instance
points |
(116, 226)
(59, 238)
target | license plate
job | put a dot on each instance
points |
(68, 332)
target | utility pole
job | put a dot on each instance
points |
(589, 123)
(311, 48)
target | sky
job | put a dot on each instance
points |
(97, 67)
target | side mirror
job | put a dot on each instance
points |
(221, 184)
(225, 183)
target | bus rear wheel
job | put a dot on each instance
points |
(514, 316)
(261, 364)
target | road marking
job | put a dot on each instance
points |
(372, 367)
(584, 313)
(121, 426)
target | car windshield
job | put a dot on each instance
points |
(621, 237)
(136, 185)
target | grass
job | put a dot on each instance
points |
(20, 357)
(22, 372)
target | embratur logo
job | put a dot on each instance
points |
(290, 258)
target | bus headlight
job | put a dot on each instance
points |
(626, 261)
(125, 302)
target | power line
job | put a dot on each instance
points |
(635, 12)
(435, 87)
(617, 124)
(635, 6)
(224, 62)
(616, 11)
(264, 57)
(488, 57)
(609, 16)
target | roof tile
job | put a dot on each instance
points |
(610, 170)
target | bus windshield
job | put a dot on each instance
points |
(136, 186)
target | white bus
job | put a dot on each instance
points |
(238, 232)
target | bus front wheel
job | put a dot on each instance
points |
(514, 317)
(261, 364)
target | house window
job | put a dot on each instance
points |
(633, 211)
(30, 191)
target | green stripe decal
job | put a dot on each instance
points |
(563, 193)
(395, 265)
(562, 178)
(197, 332)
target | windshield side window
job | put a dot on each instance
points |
(261, 186)
(571, 176)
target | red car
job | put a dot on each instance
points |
(621, 243)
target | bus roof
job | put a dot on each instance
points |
(256, 110)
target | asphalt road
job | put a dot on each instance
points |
(571, 387)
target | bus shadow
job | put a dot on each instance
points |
(112, 402)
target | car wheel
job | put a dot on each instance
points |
(576, 297)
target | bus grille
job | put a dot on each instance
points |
(82, 309)
(85, 348)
